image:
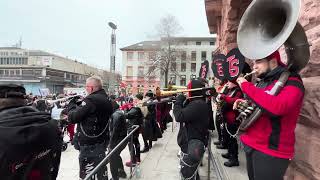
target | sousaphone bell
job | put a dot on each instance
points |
(264, 27)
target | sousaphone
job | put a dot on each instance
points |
(265, 26)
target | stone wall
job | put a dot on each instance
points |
(223, 18)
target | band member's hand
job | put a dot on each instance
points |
(181, 98)
(236, 103)
(240, 80)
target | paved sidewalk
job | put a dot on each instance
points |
(230, 173)
(160, 163)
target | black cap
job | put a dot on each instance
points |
(139, 96)
(149, 94)
(12, 91)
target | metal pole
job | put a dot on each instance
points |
(112, 60)
(209, 154)
(131, 154)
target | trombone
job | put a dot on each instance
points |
(161, 93)
(62, 99)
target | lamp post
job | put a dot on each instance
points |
(112, 55)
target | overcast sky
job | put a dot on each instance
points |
(78, 28)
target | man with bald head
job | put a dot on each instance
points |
(92, 117)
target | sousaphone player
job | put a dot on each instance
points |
(269, 135)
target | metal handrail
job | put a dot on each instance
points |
(106, 159)
(212, 160)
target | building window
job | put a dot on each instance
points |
(152, 56)
(183, 80)
(129, 71)
(130, 55)
(198, 43)
(11, 72)
(211, 43)
(173, 66)
(6, 72)
(140, 71)
(27, 72)
(193, 67)
(183, 56)
(25, 61)
(192, 76)
(140, 55)
(183, 67)
(18, 72)
(203, 55)
(172, 80)
(193, 56)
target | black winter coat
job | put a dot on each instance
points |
(30, 144)
(92, 118)
(118, 128)
(135, 117)
(195, 117)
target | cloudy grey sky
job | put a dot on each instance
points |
(78, 28)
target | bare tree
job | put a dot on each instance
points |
(164, 60)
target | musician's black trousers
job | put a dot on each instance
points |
(231, 142)
(218, 128)
(90, 156)
(116, 162)
(261, 166)
(134, 149)
(190, 162)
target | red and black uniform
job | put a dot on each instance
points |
(272, 135)
(231, 126)
(219, 122)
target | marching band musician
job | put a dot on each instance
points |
(194, 134)
(269, 141)
(92, 118)
(221, 143)
(230, 124)
(229, 115)
(135, 117)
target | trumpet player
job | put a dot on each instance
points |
(269, 141)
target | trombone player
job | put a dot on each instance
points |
(193, 133)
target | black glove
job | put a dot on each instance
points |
(72, 103)
(211, 92)
(180, 99)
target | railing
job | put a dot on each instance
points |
(106, 159)
(212, 160)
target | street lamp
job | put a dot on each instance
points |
(113, 47)
(112, 53)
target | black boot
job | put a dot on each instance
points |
(217, 143)
(232, 162)
(221, 147)
(226, 155)
(145, 149)
(122, 173)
